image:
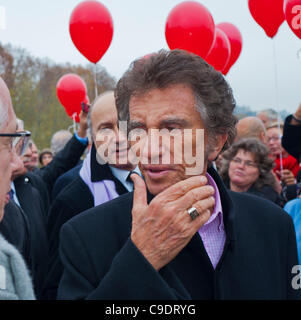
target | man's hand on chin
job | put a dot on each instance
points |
(163, 228)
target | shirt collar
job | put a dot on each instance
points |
(122, 175)
(12, 186)
(217, 211)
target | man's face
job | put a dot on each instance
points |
(7, 160)
(34, 155)
(31, 157)
(106, 134)
(168, 109)
(274, 142)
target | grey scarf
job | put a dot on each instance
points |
(15, 282)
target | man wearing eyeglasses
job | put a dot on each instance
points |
(10, 143)
(8, 140)
(30, 193)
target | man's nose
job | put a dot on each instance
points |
(152, 149)
(16, 162)
(121, 138)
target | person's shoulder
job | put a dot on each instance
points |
(251, 206)
(293, 206)
(70, 174)
(110, 221)
(7, 249)
(73, 191)
(111, 211)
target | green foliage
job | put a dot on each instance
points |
(32, 83)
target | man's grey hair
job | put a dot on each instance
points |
(20, 124)
(3, 114)
(271, 114)
(59, 140)
(213, 95)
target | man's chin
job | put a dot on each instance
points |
(158, 182)
(157, 187)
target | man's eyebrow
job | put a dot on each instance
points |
(105, 124)
(174, 121)
(136, 124)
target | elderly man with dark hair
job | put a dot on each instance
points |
(181, 234)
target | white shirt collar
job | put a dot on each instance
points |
(122, 175)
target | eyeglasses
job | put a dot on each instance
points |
(18, 141)
(247, 163)
(273, 139)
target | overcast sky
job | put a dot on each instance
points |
(42, 27)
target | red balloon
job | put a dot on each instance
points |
(87, 100)
(268, 14)
(292, 11)
(71, 92)
(235, 39)
(91, 29)
(219, 54)
(190, 27)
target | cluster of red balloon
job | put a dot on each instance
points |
(91, 30)
(190, 26)
(270, 14)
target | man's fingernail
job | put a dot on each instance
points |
(211, 189)
(203, 179)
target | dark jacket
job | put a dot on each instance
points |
(32, 204)
(65, 160)
(64, 180)
(32, 190)
(291, 139)
(266, 192)
(101, 262)
(15, 229)
(37, 182)
(71, 201)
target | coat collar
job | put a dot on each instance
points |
(101, 172)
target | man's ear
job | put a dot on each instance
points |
(263, 136)
(215, 150)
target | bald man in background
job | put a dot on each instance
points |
(81, 193)
(251, 127)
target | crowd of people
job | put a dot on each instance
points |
(73, 226)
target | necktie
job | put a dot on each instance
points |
(11, 195)
(129, 181)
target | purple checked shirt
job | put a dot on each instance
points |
(213, 231)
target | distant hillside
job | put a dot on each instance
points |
(245, 111)
(32, 83)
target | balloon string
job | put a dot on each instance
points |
(95, 81)
(74, 122)
(277, 100)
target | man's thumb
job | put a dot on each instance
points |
(140, 194)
